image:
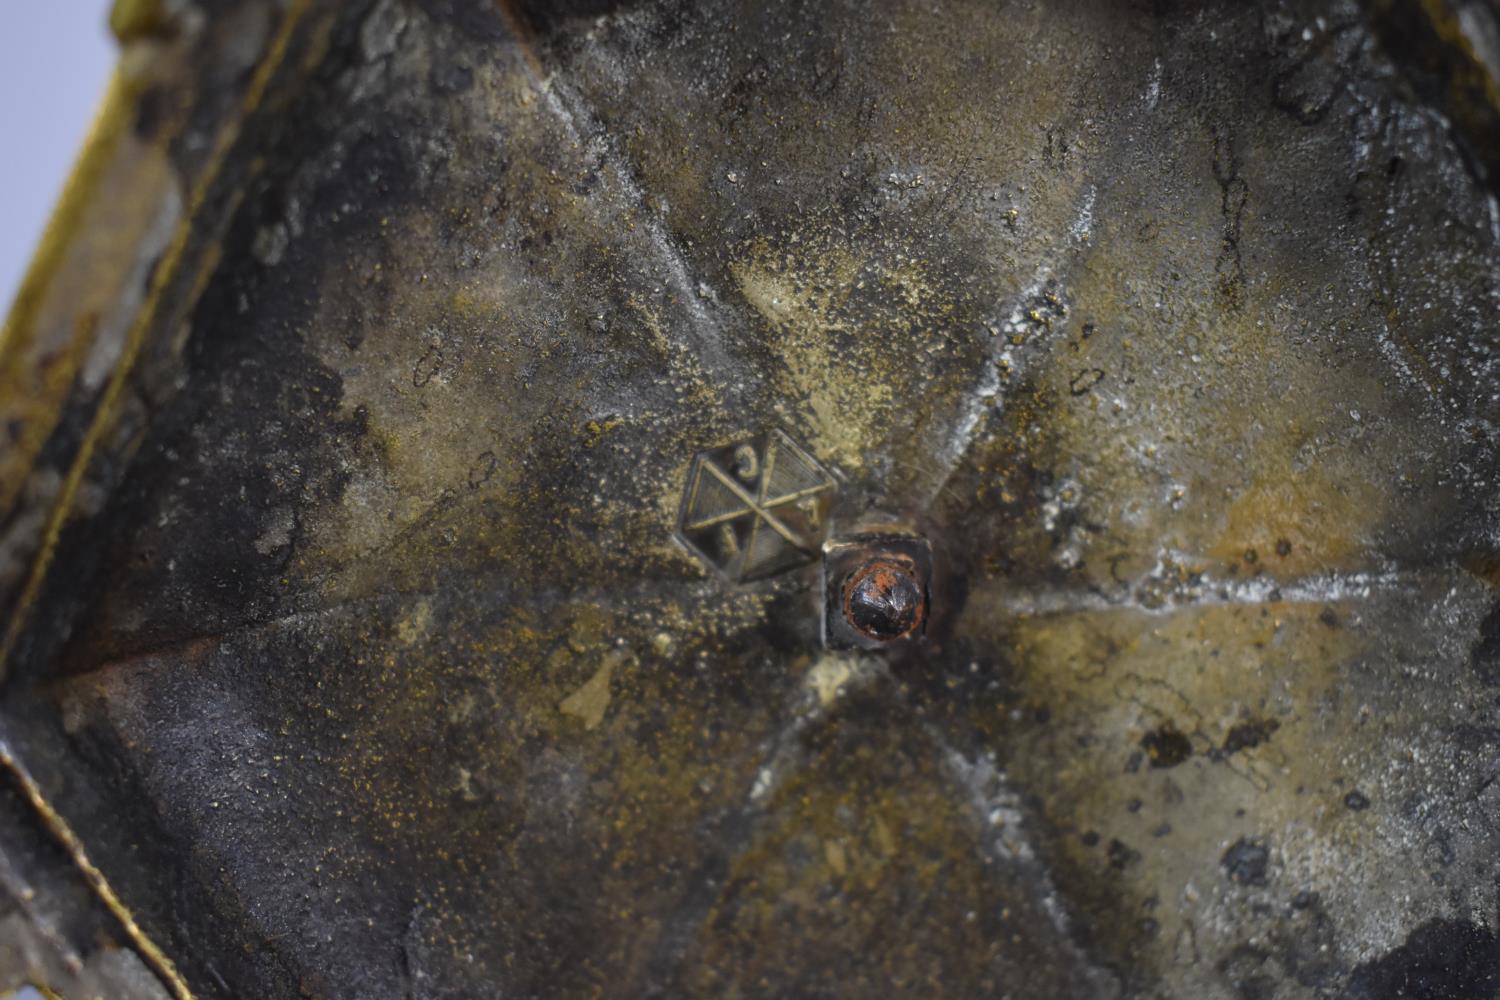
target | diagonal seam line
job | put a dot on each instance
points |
(772, 504)
(695, 490)
(703, 334)
(793, 497)
(755, 507)
(717, 519)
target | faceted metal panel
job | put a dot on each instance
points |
(376, 632)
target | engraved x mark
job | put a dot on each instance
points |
(760, 506)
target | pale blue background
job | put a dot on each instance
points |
(55, 59)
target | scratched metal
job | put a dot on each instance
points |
(369, 663)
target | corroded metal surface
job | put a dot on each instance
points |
(365, 659)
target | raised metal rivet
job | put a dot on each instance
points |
(876, 587)
(884, 599)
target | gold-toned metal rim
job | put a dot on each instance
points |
(62, 231)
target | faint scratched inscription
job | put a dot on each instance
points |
(755, 508)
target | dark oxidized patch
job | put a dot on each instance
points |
(1167, 746)
(1246, 862)
(1484, 657)
(1441, 960)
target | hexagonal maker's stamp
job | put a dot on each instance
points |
(755, 508)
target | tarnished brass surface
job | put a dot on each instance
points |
(353, 644)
